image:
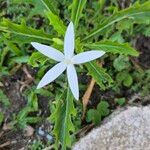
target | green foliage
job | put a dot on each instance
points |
(56, 22)
(49, 5)
(137, 12)
(146, 31)
(1, 117)
(62, 118)
(95, 115)
(121, 63)
(113, 47)
(4, 99)
(45, 21)
(23, 117)
(98, 73)
(36, 145)
(36, 58)
(103, 108)
(23, 34)
(125, 78)
(120, 101)
(142, 82)
(77, 8)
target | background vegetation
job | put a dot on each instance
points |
(50, 117)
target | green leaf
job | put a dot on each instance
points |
(24, 34)
(120, 101)
(77, 8)
(136, 12)
(33, 120)
(63, 122)
(49, 5)
(43, 92)
(146, 31)
(1, 117)
(125, 78)
(121, 63)
(36, 58)
(113, 47)
(94, 116)
(98, 73)
(20, 59)
(13, 48)
(3, 54)
(4, 99)
(128, 80)
(103, 108)
(56, 22)
(116, 37)
(33, 101)
(23, 113)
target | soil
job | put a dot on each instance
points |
(15, 139)
(142, 44)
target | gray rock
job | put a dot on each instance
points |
(124, 130)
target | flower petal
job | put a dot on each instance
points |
(73, 81)
(87, 56)
(52, 74)
(69, 41)
(48, 51)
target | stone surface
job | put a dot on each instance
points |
(127, 129)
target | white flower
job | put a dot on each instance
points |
(66, 61)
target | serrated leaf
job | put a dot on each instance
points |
(77, 8)
(49, 5)
(113, 47)
(98, 73)
(12, 47)
(56, 22)
(63, 122)
(136, 13)
(22, 33)
(36, 58)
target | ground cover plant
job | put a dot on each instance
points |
(58, 114)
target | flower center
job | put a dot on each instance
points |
(68, 61)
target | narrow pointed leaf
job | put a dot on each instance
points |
(22, 33)
(63, 120)
(98, 73)
(56, 22)
(113, 47)
(77, 8)
(136, 12)
(48, 5)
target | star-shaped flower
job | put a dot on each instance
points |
(66, 61)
